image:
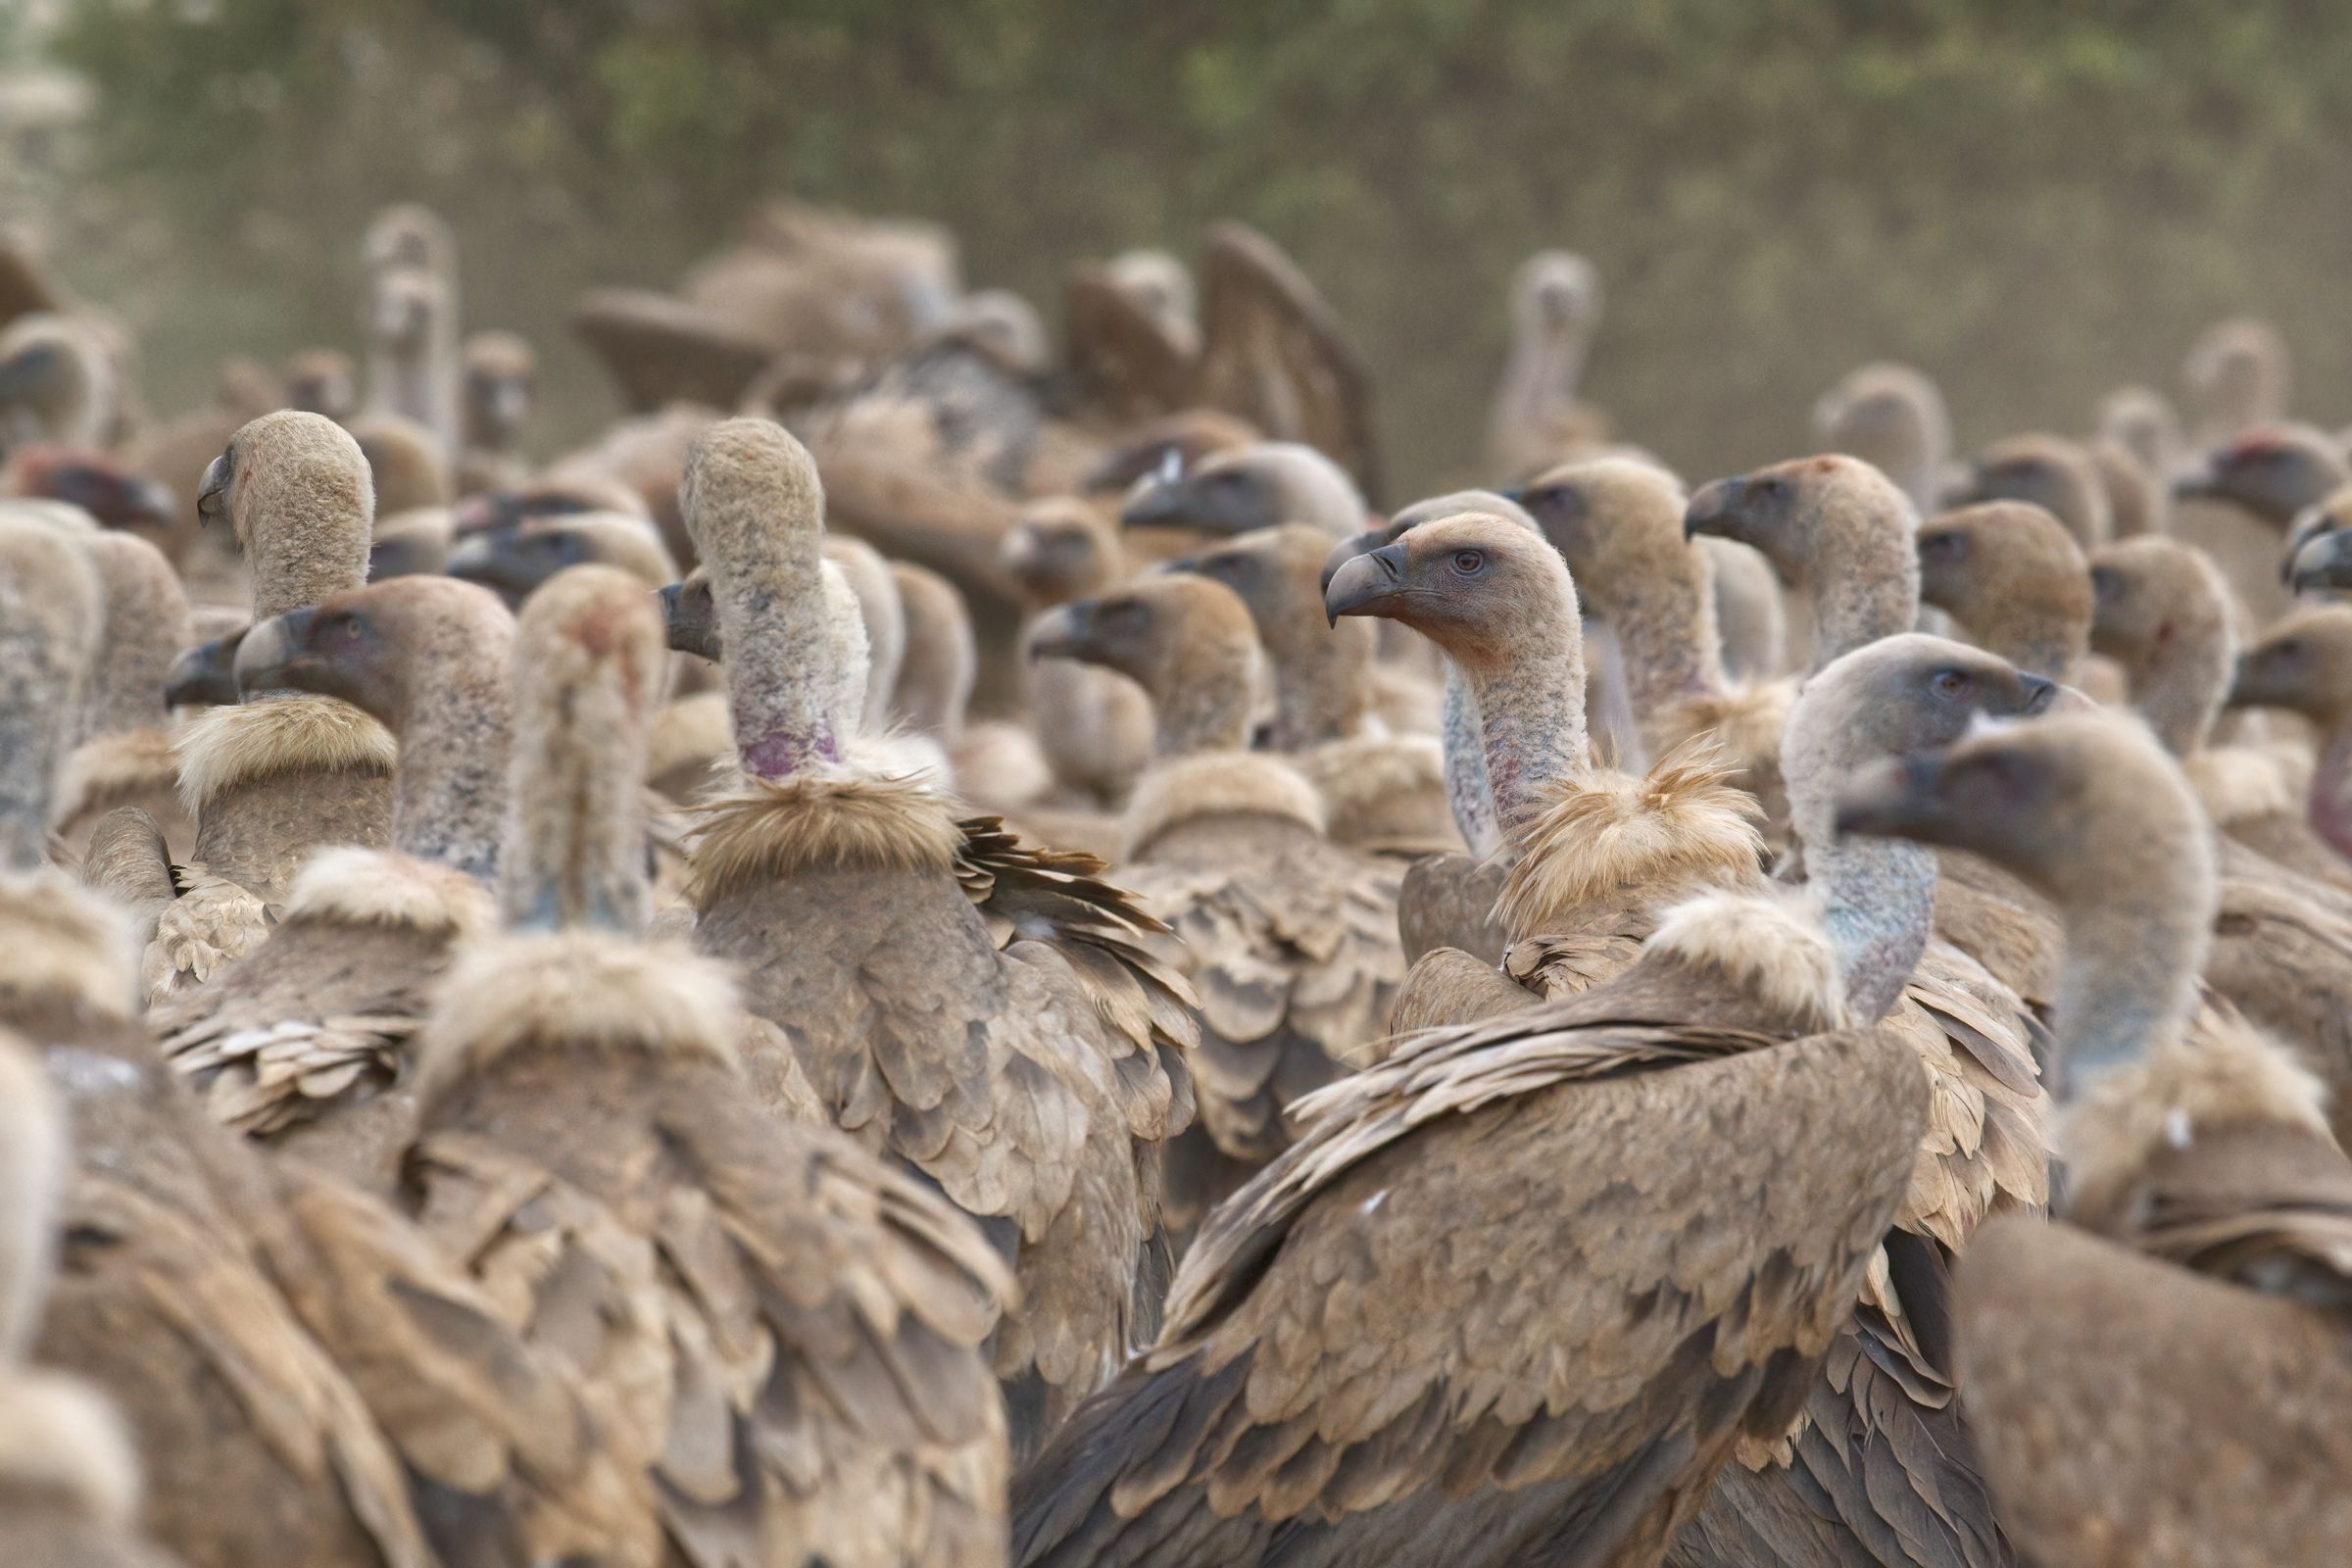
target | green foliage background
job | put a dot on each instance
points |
(2034, 200)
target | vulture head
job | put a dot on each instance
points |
(1247, 489)
(1171, 445)
(1900, 696)
(1492, 502)
(2154, 596)
(2330, 517)
(1810, 509)
(1892, 417)
(500, 369)
(205, 675)
(1166, 633)
(1612, 519)
(514, 562)
(2303, 662)
(2141, 421)
(408, 465)
(2005, 563)
(1061, 549)
(102, 487)
(2058, 475)
(1278, 574)
(1467, 582)
(297, 491)
(147, 622)
(552, 497)
(2077, 805)
(371, 646)
(2273, 474)
(2238, 375)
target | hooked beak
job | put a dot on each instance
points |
(2198, 482)
(1347, 550)
(1715, 510)
(691, 626)
(211, 491)
(272, 651)
(2039, 691)
(1160, 502)
(1362, 586)
(1066, 632)
(1894, 799)
(2242, 685)
(205, 676)
(2320, 563)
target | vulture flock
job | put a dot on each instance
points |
(950, 950)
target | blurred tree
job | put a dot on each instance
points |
(2034, 202)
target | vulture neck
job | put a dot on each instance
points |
(2055, 648)
(1466, 767)
(2179, 690)
(2331, 791)
(1323, 687)
(576, 845)
(773, 621)
(1539, 378)
(29, 748)
(449, 791)
(1207, 709)
(1664, 620)
(1876, 897)
(298, 561)
(2129, 975)
(1862, 577)
(1531, 706)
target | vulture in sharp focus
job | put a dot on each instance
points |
(792, 1332)
(985, 1013)
(2161, 1379)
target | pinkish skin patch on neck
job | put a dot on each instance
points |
(2331, 809)
(783, 753)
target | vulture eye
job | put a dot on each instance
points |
(1945, 546)
(1467, 562)
(1951, 685)
(2291, 648)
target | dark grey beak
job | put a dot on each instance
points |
(1066, 632)
(212, 492)
(2191, 485)
(1347, 550)
(2320, 563)
(690, 620)
(1714, 509)
(270, 648)
(1890, 800)
(206, 675)
(2039, 691)
(1362, 585)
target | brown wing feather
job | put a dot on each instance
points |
(1501, 1292)
(1124, 359)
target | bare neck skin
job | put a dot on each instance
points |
(449, 794)
(2332, 788)
(1531, 705)
(1664, 620)
(2178, 688)
(1466, 767)
(575, 853)
(2129, 974)
(300, 561)
(1876, 897)
(773, 622)
(1862, 576)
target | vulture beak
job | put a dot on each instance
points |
(512, 562)
(2038, 693)
(402, 557)
(1715, 510)
(272, 653)
(211, 491)
(1159, 502)
(205, 676)
(2241, 684)
(1894, 799)
(2320, 563)
(2191, 485)
(691, 624)
(1347, 550)
(1365, 584)
(1068, 632)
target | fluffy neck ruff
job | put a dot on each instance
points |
(771, 830)
(353, 886)
(2214, 1073)
(574, 991)
(1531, 706)
(1608, 835)
(62, 1440)
(113, 766)
(282, 732)
(1763, 946)
(67, 948)
(1234, 783)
